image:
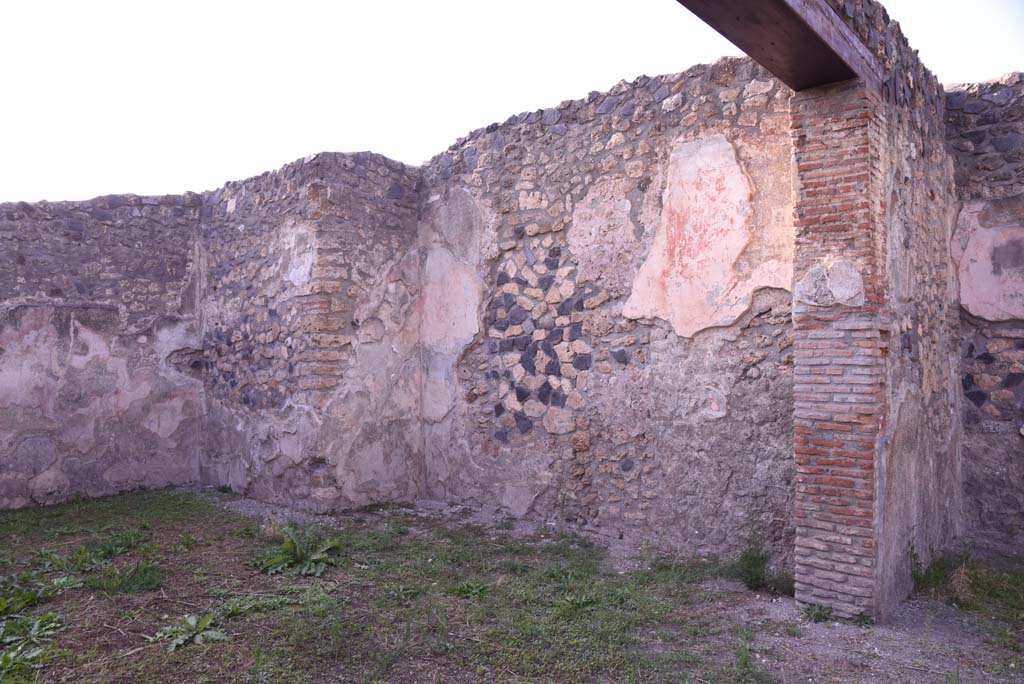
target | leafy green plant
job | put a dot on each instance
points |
(572, 604)
(23, 642)
(816, 613)
(744, 669)
(752, 567)
(191, 630)
(863, 620)
(238, 607)
(121, 543)
(401, 594)
(967, 583)
(28, 632)
(469, 590)
(21, 591)
(91, 557)
(186, 542)
(138, 577)
(81, 559)
(304, 552)
(17, 661)
(248, 531)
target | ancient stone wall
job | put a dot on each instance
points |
(986, 136)
(583, 315)
(310, 333)
(618, 356)
(920, 483)
(97, 299)
(876, 424)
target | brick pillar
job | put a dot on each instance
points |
(840, 345)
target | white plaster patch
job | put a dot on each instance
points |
(602, 236)
(451, 301)
(96, 346)
(438, 396)
(990, 265)
(26, 377)
(460, 224)
(300, 268)
(452, 293)
(830, 284)
(164, 417)
(846, 283)
(688, 277)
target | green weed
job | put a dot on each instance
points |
(21, 591)
(186, 542)
(816, 613)
(191, 630)
(469, 590)
(238, 607)
(752, 567)
(304, 552)
(965, 582)
(136, 578)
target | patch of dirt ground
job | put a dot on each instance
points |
(208, 587)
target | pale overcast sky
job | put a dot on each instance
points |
(105, 96)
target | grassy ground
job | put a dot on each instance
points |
(168, 587)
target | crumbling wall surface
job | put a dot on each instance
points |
(310, 334)
(97, 300)
(920, 485)
(876, 425)
(613, 349)
(986, 136)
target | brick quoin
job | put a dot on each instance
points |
(840, 351)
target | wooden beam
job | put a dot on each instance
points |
(803, 42)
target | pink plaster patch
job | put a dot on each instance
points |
(688, 277)
(990, 265)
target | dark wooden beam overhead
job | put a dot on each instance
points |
(803, 42)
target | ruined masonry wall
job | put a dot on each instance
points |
(620, 348)
(920, 484)
(985, 128)
(96, 299)
(877, 428)
(310, 334)
(581, 315)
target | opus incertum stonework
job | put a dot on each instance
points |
(690, 311)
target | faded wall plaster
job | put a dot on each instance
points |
(988, 249)
(99, 298)
(561, 407)
(920, 475)
(689, 277)
(985, 132)
(312, 326)
(85, 412)
(580, 315)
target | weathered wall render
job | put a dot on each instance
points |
(625, 314)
